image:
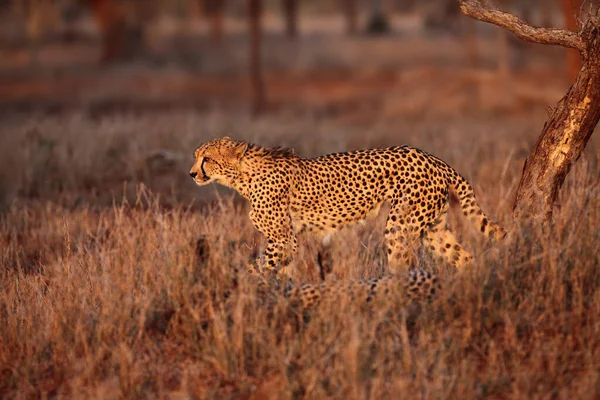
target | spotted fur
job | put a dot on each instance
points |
(290, 195)
(416, 285)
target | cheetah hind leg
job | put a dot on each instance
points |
(401, 238)
(443, 244)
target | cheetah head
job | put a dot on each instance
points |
(217, 160)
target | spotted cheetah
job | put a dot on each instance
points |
(290, 195)
(416, 285)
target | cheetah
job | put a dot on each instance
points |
(415, 286)
(290, 195)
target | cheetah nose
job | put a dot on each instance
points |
(193, 174)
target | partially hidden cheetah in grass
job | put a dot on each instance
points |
(414, 286)
(290, 195)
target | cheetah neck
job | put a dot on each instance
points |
(259, 164)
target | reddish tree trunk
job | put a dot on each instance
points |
(111, 26)
(290, 9)
(547, 10)
(570, 12)
(351, 16)
(471, 43)
(121, 39)
(214, 9)
(256, 76)
(503, 55)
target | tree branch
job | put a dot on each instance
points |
(560, 37)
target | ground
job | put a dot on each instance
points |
(102, 293)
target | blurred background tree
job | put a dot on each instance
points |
(571, 11)
(350, 11)
(378, 20)
(290, 9)
(123, 27)
(214, 10)
(259, 98)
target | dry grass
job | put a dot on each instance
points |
(106, 299)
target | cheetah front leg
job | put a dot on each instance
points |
(325, 256)
(274, 222)
(279, 254)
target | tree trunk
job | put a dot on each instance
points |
(570, 12)
(255, 65)
(290, 9)
(564, 136)
(378, 22)
(503, 56)
(111, 26)
(547, 10)
(34, 18)
(121, 37)
(471, 42)
(351, 16)
(214, 10)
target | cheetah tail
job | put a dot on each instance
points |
(471, 209)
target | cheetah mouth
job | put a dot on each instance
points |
(202, 180)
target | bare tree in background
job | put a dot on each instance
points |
(290, 9)
(546, 10)
(351, 15)
(214, 10)
(110, 22)
(571, 12)
(570, 124)
(122, 27)
(441, 15)
(39, 15)
(256, 77)
(503, 66)
(378, 22)
(470, 31)
(503, 56)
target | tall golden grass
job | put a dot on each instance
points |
(103, 295)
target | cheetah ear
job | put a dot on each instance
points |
(240, 150)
